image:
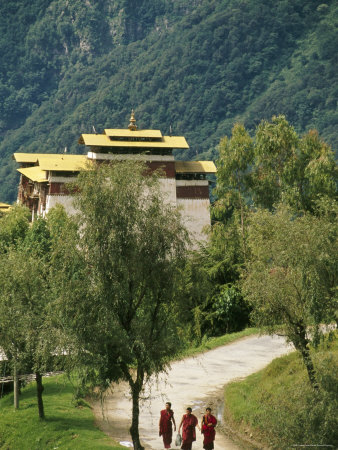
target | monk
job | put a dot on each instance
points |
(165, 425)
(189, 422)
(208, 429)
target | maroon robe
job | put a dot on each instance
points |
(209, 431)
(166, 429)
(188, 431)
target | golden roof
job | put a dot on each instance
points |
(34, 157)
(27, 157)
(102, 140)
(70, 163)
(49, 162)
(150, 134)
(195, 167)
(132, 137)
(4, 206)
(34, 173)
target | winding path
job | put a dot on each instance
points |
(195, 382)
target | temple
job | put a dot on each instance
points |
(44, 177)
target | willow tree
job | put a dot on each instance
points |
(24, 296)
(120, 305)
(291, 278)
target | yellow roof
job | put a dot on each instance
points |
(4, 206)
(26, 157)
(67, 163)
(34, 157)
(137, 133)
(34, 173)
(195, 167)
(102, 140)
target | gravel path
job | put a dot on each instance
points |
(195, 382)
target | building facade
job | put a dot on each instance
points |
(44, 177)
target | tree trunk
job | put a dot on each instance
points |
(242, 221)
(16, 387)
(136, 388)
(39, 389)
(302, 345)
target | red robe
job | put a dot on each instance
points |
(208, 431)
(188, 431)
(166, 429)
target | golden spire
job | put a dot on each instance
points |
(132, 125)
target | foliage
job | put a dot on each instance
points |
(68, 426)
(213, 304)
(278, 406)
(277, 165)
(198, 66)
(228, 311)
(25, 295)
(296, 171)
(290, 279)
(121, 305)
(13, 227)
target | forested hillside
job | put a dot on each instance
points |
(197, 65)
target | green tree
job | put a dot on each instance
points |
(233, 172)
(219, 264)
(276, 166)
(121, 305)
(24, 296)
(13, 227)
(289, 168)
(291, 278)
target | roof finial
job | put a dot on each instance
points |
(132, 125)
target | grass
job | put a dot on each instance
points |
(278, 407)
(215, 342)
(66, 426)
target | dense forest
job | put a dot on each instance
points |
(197, 66)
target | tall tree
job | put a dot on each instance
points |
(277, 165)
(24, 296)
(292, 276)
(233, 170)
(121, 304)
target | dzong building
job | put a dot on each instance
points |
(44, 177)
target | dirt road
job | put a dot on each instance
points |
(195, 382)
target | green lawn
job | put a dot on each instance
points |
(67, 426)
(280, 409)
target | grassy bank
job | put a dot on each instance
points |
(211, 343)
(278, 408)
(67, 426)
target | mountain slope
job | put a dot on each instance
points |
(197, 66)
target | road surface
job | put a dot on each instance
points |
(196, 382)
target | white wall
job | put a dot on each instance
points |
(196, 216)
(64, 200)
(168, 189)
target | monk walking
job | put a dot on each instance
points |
(208, 429)
(189, 422)
(165, 425)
